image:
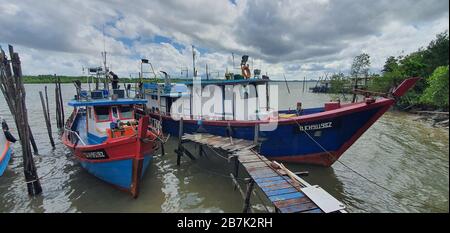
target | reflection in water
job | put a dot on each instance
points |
(407, 157)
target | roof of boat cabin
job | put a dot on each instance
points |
(228, 82)
(105, 102)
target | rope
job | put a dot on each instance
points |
(367, 179)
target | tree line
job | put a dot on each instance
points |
(430, 63)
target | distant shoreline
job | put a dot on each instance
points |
(49, 79)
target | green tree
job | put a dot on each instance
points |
(436, 53)
(436, 94)
(360, 66)
(390, 65)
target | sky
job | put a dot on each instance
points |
(291, 38)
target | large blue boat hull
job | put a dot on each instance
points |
(287, 142)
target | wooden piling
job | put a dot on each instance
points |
(33, 142)
(46, 101)
(256, 135)
(248, 195)
(61, 103)
(180, 136)
(304, 81)
(57, 105)
(160, 118)
(14, 92)
(47, 121)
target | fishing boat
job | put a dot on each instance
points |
(5, 146)
(110, 139)
(242, 109)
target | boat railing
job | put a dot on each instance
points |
(155, 125)
(73, 136)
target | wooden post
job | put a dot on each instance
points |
(14, 92)
(160, 118)
(47, 122)
(33, 142)
(46, 101)
(256, 134)
(304, 81)
(180, 135)
(58, 112)
(354, 88)
(248, 195)
(200, 150)
(61, 103)
(236, 169)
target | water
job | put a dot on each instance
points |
(409, 158)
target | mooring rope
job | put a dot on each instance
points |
(364, 177)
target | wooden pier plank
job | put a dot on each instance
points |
(282, 190)
(289, 202)
(299, 208)
(286, 196)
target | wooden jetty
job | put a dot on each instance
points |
(286, 191)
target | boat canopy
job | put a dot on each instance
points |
(106, 102)
(228, 82)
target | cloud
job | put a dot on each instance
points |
(295, 38)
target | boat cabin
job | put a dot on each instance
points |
(246, 99)
(100, 119)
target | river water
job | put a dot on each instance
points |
(407, 159)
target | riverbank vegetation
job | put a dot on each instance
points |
(430, 63)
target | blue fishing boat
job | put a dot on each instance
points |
(240, 107)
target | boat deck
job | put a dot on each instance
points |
(81, 130)
(287, 192)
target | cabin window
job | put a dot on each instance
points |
(102, 113)
(126, 112)
(115, 113)
(89, 113)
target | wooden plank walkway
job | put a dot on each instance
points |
(284, 191)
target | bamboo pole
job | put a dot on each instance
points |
(57, 105)
(47, 121)
(61, 103)
(14, 93)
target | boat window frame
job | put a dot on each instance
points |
(117, 112)
(109, 115)
(120, 112)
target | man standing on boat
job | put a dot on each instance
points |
(114, 80)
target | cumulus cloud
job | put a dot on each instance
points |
(297, 38)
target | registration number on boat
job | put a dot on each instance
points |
(95, 155)
(319, 126)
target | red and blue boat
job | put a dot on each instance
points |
(110, 139)
(312, 135)
(5, 147)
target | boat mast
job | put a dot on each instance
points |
(106, 86)
(193, 62)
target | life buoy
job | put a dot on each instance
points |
(246, 71)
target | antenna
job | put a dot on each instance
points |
(193, 61)
(232, 55)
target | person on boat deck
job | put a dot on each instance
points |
(114, 80)
(5, 129)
